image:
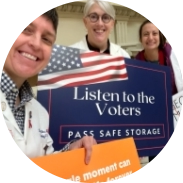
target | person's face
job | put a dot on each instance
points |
(98, 32)
(150, 38)
(31, 51)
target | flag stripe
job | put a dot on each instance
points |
(88, 79)
(98, 80)
(90, 54)
(83, 74)
(100, 57)
(80, 70)
(83, 82)
(99, 62)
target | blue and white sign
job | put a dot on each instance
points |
(138, 105)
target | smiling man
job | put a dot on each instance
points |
(26, 119)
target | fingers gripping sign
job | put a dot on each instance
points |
(86, 142)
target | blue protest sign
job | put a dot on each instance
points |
(134, 101)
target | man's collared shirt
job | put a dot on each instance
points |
(11, 91)
(25, 93)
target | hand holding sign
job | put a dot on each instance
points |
(109, 161)
(87, 143)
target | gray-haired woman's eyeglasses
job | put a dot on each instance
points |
(94, 17)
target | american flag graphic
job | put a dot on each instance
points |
(71, 67)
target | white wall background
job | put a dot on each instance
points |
(70, 30)
(133, 32)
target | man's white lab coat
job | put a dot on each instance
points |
(36, 138)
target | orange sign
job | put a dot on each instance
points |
(109, 161)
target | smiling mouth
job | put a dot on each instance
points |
(99, 31)
(29, 56)
(150, 43)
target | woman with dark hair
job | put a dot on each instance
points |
(158, 51)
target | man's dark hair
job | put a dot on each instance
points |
(161, 36)
(53, 17)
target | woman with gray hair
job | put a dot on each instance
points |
(99, 20)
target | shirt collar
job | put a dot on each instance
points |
(97, 49)
(7, 86)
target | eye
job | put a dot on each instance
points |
(28, 30)
(106, 17)
(47, 40)
(93, 17)
(145, 34)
